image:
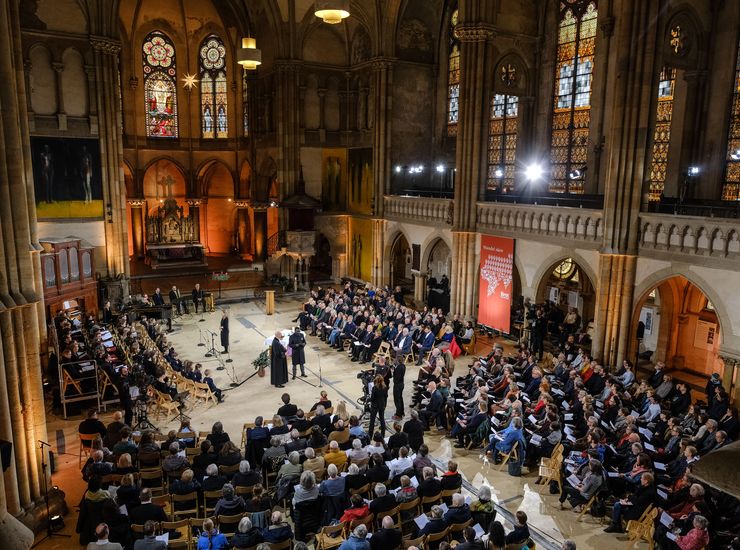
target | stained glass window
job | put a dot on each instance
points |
(453, 79)
(160, 90)
(502, 126)
(213, 89)
(662, 133)
(731, 187)
(573, 76)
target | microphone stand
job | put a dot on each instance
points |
(49, 530)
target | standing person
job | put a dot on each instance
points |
(278, 362)
(297, 343)
(399, 372)
(47, 173)
(224, 331)
(86, 168)
(378, 401)
(198, 296)
(538, 328)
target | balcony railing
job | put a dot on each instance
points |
(542, 222)
(418, 209)
(663, 234)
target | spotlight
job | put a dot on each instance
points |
(273, 204)
(694, 170)
(440, 168)
(735, 155)
(533, 172)
(576, 174)
(398, 169)
(499, 173)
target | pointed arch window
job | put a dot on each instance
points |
(453, 79)
(160, 89)
(214, 120)
(502, 131)
(662, 132)
(731, 187)
(573, 76)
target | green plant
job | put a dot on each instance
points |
(262, 361)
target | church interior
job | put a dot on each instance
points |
(196, 195)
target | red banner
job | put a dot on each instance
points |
(496, 266)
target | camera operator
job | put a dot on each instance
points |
(124, 394)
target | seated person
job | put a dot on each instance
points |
(288, 409)
(430, 486)
(203, 460)
(174, 462)
(436, 524)
(358, 509)
(229, 455)
(400, 465)
(378, 471)
(406, 492)
(317, 440)
(335, 456)
(520, 534)
(386, 537)
(451, 479)
(210, 538)
(246, 536)
(293, 467)
(296, 443)
(213, 481)
(333, 485)
(314, 463)
(354, 479)
(125, 445)
(146, 511)
(383, 500)
(229, 504)
(278, 531)
(307, 489)
(458, 512)
(260, 500)
(357, 540)
(246, 477)
(357, 452)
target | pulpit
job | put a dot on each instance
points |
(172, 237)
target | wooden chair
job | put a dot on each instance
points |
(455, 530)
(364, 490)
(469, 348)
(586, 507)
(392, 512)
(182, 527)
(643, 529)
(202, 392)
(202, 435)
(245, 431)
(166, 404)
(86, 450)
(228, 471)
(446, 495)
(407, 511)
(383, 351)
(513, 453)
(191, 452)
(435, 537)
(111, 479)
(430, 501)
(189, 500)
(149, 461)
(163, 500)
(68, 380)
(210, 498)
(139, 529)
(551, 471)
(284, 545)
(228, 524)
(330, 536)
(152, 479)
(419, 543)
(367, 521)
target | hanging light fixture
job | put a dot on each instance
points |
(331, 11)
(249, 56)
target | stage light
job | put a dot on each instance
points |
(694, 170)
(499, 173)
(440, 168)
(576, 174)
(398, 169)
(533, 172)
(331, 11)
(735, 155)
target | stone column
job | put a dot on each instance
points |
(194, 210)
(731, 364)
(471, 153)
(321, 92)
(362, 108)
(420, 287)
(243, 231)
(380, 277)
(107, 92)
(137, 226)
(260, 234)
(22, 412)
(383, 97)
(626, 147)
(58, 67)
(288, 132)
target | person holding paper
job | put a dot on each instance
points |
(513, 436)
(683, 508)
(458, 512)
(470, 542)
(582, 493)
(150, 542)
(435, 524)
(633, 506)
(696, 539)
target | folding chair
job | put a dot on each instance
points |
(210, 498)
(419, 543)
(513, 453)
(86, 450)
(407, 511)
(185, 505)
(152, 479)
(392, 512)
(455, 530)
(228, 524)
(427, 502)
(330, 536)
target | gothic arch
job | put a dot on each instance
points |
(430, 242)
(205, 170)
(150, 190)
(547, 265)
(523, 83)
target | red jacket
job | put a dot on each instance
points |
(696, 539)
(354, 513)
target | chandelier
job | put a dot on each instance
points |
(331, 11)
(249, 56)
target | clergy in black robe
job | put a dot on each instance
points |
(278, 362)
(225, 331)
(297, 343)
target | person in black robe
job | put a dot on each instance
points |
(225, 331)
(297, 343)
(278, 362)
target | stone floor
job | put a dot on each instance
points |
(249, 328)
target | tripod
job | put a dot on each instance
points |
(213, 352)
(49, 528)
(142, 419)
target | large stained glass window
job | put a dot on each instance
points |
(662, 133)
(213, 89)
(573, 75)
(453, 79)
(160, 90)
(502, 126)
(731, 187)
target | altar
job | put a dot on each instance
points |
(172, 237)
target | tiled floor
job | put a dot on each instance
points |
(249, 329)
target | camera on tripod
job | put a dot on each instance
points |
(366, 376)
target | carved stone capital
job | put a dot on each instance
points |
(194, 202)
(473, 32)
(381, 63)
(58, 66)
(607, 27)
(729, 360)
(241, 203)
(104, 45)
(287, 66)
(136, 203)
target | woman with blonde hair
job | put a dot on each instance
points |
(340, 413)
(124, 465)
(278, 426)
(210, 538)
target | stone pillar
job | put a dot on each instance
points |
(61, 114)
(362, 108)
(243, 230)
(471, 150)
(696, 85)
(380, 277)
(137, 226)
(260, 234)
(729, 373)
(420, 287)
(383, 86)
(107, 91)
(22, 412)
(321, 92)
(194, 210)
(629, 105)
(288, 132)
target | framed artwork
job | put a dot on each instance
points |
(67, 178)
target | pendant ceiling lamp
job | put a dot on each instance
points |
(331, 11)
(249, 56)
